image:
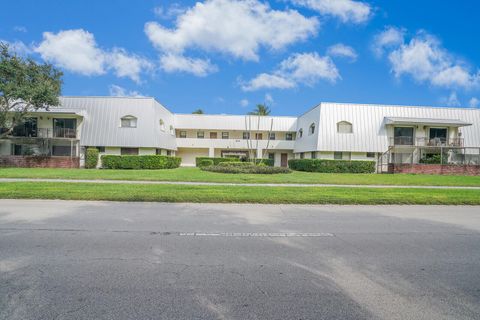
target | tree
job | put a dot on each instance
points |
(25, 86)
(198, 111)
(260, 110)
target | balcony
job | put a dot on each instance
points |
(234, 143)
(426, 142)
(62, 133)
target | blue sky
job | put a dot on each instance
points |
(225, 56)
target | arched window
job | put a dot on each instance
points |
(300, 133)
(312, 128)
(162, 125)
(128, 122)
(344, 127)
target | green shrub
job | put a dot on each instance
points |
(215, 160)
(205, 163)
(266, 162)
(332, 166)
(140, 162)
(91, 158)
(236, 164)
(245, 167)
(434, 158)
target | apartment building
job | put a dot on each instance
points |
(138, 126)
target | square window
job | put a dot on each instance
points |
(289, 136)
(101, 149)
(272, 136)
(200, 134)
(337, 155)
(225, 135)
(314, 155)
(183, 134)
(246, 135)
(271, 156)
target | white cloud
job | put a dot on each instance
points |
(178, 63)
(236, 28)
(77, 51)
(20, 29)
(169, 12)
(425, 60)
(18, 47)
(244, 103)
(341, 50)
(299, 68)
(451, 100)
(345, 10)
(268, 99)
(474, 103)
(388, 38)
(117, 91)
(268, 81)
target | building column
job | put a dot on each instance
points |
(211, 152)
(259, 153)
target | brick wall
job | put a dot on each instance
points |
(470, 170)
(39, 162)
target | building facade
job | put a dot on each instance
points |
(140, 126)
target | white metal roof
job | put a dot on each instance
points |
(234, 122)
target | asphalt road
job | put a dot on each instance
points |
(110, 260)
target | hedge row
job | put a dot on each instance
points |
(200, 161)
(332, 166)
(140, 162)
(244, 167)
(91, 158)
(215, 160)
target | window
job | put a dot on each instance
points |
(344, 127)
(200, 134)
(272, 136)
(129, 151)
(403, 136)
(213, 135)
(300, 133)
(289, 136)
(246, 135)
(169, 152)
(61, 151)
(224, 135)
(258, 136)
(172, 130)
(129, 122)
(183, 134)
(162, 125)
(158, 152)
(271, 156)
(370, 154)
(314, 155)
(302, 155)
(64, 128)
(27, 129)
(101, 149)
(312, 128)
(342, 155)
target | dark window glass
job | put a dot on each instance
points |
(27, 129)
(302, 155)
(61, 151)
(183, 134)
(314, 155)
(289, 136)
(246, 135)
(272, 135)
(129, 151)
(271, 156)
(200, 134)
(403, 135)
(370, 154)
(64, 128)
(337, 155)
(101, 149)
(224, 135)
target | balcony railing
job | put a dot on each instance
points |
(66, 133)
(426, 142)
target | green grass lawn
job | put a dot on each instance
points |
(236, 194)
(196, 175)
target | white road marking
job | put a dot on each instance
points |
(255, 234)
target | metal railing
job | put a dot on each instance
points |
(426, 142)
(66, 133)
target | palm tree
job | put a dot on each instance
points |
(260, 110)
(198, 111)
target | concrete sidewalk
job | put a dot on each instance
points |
(235, 184)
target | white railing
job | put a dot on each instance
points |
(234, 143)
